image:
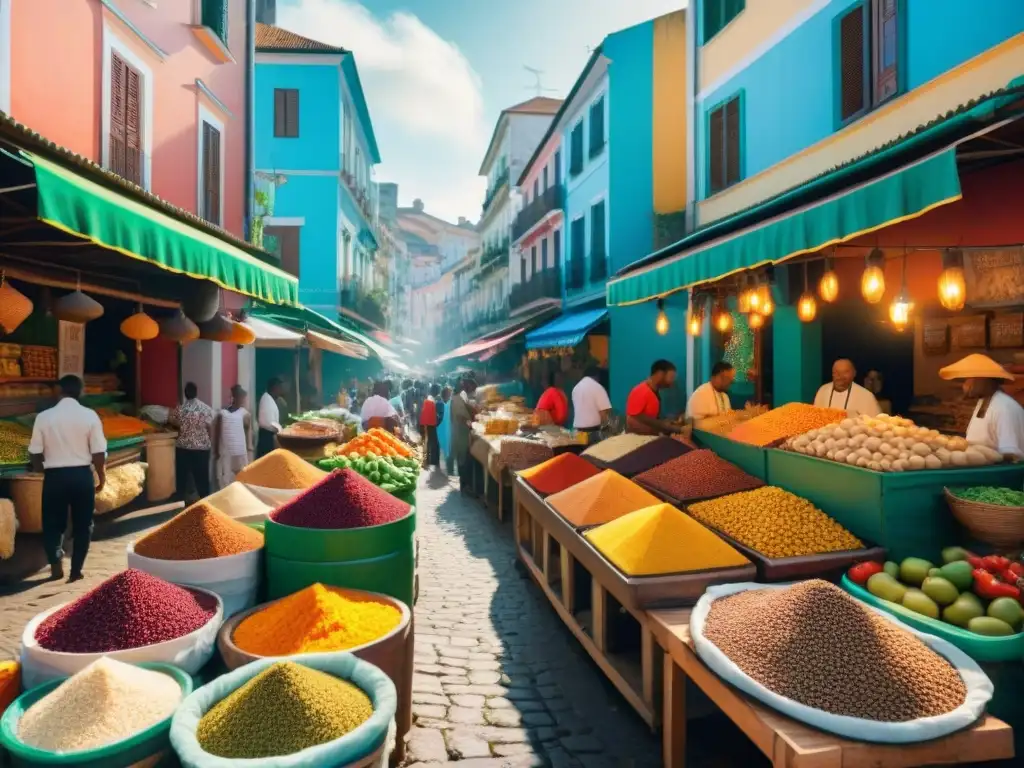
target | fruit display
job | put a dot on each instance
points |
(784, 422)
(313, 429)
(724, 423)
(39, 362)
(979, 594)
(394, 474)
(988, 494)
(890, 444)
(378, 441)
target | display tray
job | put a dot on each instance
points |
(749, 458)
(978, 647)
(633, 592)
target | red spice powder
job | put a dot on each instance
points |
(698, 475)
(129, 610)
(344, 499)
(559, 473)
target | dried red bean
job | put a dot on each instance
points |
(698, 475)
(128, 610)
(343, 499)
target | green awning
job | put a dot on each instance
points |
(112, 220)
(904, 194)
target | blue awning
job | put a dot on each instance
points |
(566, 330)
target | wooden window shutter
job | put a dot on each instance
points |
(597, 229)
(732, 142)
(279, 120)
(885, 48)
(211, 174)
(116, 159)
(292, 112)
(713, 21)
(133, 126)
(853, 94)
(716, 149)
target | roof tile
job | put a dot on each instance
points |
(270, 38)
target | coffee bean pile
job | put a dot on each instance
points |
(816, 645)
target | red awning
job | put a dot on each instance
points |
(479, 345)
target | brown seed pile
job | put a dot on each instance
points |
(816, 645)
(698, 475)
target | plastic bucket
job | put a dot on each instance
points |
(390, 574)
(141, 749)
(317, 545)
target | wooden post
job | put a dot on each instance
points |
(568, 563)
(545, 556)
(647, 665)
(600, 608)
(673, 722)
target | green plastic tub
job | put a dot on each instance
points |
(978, 647)
(390, 574)
(905, 512)
(749, 458)
(149, 742)
(316, 545)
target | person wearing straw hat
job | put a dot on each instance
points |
(998, 419)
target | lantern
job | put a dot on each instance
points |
(694, 324)
(15, 307)
(828, 286)
(746, 297)
(952, 285)
(902, 306)
(179, 328)
(755, 320)
(140, 327)
(202, 302)
(722, 320)
(661, 324)
(806, 307)
(872, 282)
(242, 334)
(763, 305)
(217, 329)
(77, 308)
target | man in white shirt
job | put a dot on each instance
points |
(377, 410)
(67, 444)
(269, 417)
(711, 398)
(846, 394)
(591, 405)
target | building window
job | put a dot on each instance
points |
(577, 253)
(724, 145)
(546, 185)
(536, 188)
(211, 172)
(576, 150)
(598, 252)
(215, 16)
(597, 127)
(286, 113)
(522, 268)
(544, 253)
(556, 246)
(125, 149)
(867, 39)
(558, 167)
(284, 243)
(533, 260)
(718, 13)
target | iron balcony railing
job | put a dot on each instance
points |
(354, 297)
(584, 273)
(494, 255)
(493, 191)
(550, 200)
(546, 284)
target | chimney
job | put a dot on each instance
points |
(417, 205)
(266, 11)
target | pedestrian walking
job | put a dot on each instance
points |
(67, 444)
(428, 426)
(269, 417)
(444, 430)
(232, 437)
(194, 420)
(463, 412)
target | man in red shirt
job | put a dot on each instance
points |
(643, 407)
(428, 425)
(553, 406)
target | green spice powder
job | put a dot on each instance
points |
(284, 709)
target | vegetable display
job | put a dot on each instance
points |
(988, 494)
(377, 441)
(890, 444)
(394, 474)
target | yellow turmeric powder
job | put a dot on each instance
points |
(317, 618)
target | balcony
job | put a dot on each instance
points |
(370, 305)
(491, 319)
(362, 198)
(546, 284)
(493, 191)
(494, 255)
(550, 200)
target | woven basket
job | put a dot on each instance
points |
(994, 524)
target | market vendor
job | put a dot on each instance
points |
(269, 417)
(591, 406)
(998, 419)
(67, 444)
(846, 394)
(643, 406)
(462, 411)
(553, 405)
(378, 411)
(711, 398)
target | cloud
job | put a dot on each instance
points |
(425, 99)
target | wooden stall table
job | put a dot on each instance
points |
(786, 742)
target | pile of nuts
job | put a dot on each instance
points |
(784, 422)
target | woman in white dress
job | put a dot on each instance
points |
(232, 438)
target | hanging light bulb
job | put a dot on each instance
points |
(763, 303)
(902, 306)
(743, 299)
(806, 306)
(695, 324)
(661, 324)
(872, 282)
(828, 286)
(755, 320)
(952, 284)
(722, 320)
(767, 307)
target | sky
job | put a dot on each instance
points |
(437, 73)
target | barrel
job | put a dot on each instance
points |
(378, 558)
(161, 479)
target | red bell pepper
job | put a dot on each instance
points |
(861, 572)
(995, 563)
(1011, 578)
(975, 561)
(986, 585)
(1017, 568)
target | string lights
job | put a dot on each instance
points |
(806, 306)
(828, 286)
(952, 284)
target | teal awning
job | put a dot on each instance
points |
(904, 194)
(566, 330)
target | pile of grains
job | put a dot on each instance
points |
(107, 702)
(616, 447)
(199, 533)
(128, 610)
(724, 423)
(281, 469)
(698, 475)
(818, 646)
(343, 499)
(784, 422)
(650, 454)
(517, 453)
(775, 523)
(601, 499)
(284, 709)
(236, 500)
(660, 540)
(559, 473)
(315, 619)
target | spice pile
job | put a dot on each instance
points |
(519, 453)
(317, 618)
(775, 523)
(784, 422)
(816, 645)
(128, 610)
(236, 500)
(284, 709)
(107, 702)
(200, 532)
(698, 475)
(559, 473)
(282, 470)
(601, 499)
(650, 454)
(125, 483)
(616, 447)
(660, 540)
(343, 499)
(724, 423)
(118, 427)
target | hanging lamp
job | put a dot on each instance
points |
(764, 304)
(721, 319)
(806, 306)
(661, 323)
(202, 302)
(140, 327)
(15, 307)
(745, 297)
(695, 324)
(755, 320)
(242, 334)
(179, 328)
(952, 282)
(902, 306)
(217, 329)
(76, 307)
(872, 282)
(828, 286)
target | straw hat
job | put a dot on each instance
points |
(975, 367)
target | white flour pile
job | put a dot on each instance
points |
(236, 500)
(106, 702)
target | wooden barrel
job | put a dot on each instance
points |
(161, 479)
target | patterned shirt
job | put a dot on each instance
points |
(193, 418)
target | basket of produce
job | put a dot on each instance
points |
(328, 709)
(815, 654)
(992, 515)
(972, 602)
(309, 435)
(107, 715)
(132, 617)
(395, 474)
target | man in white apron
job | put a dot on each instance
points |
(998, 419)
